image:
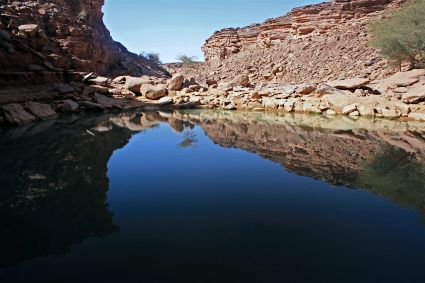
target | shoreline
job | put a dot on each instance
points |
(398, 97)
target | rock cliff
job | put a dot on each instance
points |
(316, 42)
(46, 40)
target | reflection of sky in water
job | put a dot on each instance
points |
(205, 213)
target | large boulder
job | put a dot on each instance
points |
(176, 82)
(134, 83)
(349, 83)
(153, 92)
(15, 114)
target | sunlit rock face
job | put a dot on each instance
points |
(315, 42)
(43, 41)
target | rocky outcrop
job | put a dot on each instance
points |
(316, 42)
(44, 41)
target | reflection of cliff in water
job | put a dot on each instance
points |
(53, 175)
(384, 157)
(390, 163)
(53, 184)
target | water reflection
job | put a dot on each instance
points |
(54, 180)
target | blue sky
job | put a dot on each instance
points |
(172, 27)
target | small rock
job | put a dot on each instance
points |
(165, 100)
(29, 28)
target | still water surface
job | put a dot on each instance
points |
(212, 197)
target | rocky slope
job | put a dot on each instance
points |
(311, 43)
(43, 41)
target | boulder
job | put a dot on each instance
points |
(339, 101)
(166, 100)
(417, 116)
(153, 92)
(241, 80)
(92, 106)
(67, 105)
(64, 88)
(176, 82)
(106, 102)
(305, 89)
(414, 95)
(15, 114)
(324, 89)
(133, 83)
(349, 83)
(103, 81)
(40, 110)
(349, 109)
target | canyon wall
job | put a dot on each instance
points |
(46, 40)
(315, 42)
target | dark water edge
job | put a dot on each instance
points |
(209, 196)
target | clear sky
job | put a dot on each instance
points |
(172, 27)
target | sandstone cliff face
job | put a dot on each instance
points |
(45, 40)
(316, 42)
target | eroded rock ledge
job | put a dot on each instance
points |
(48, 40)
(317, 42)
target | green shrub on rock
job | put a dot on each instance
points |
(401, 35)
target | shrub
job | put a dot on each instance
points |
(154, 58)
(401, 35)
(187, 60)
(151, 56)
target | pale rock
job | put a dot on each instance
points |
(176, 82)
(414, 95)
(349, 83)
(349, 109)
(153, 92)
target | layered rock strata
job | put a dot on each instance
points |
(312, 43)
(44, 41)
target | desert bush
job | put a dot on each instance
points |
(186, 60)
(154, 58)
(400, 36)
(151, 56)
